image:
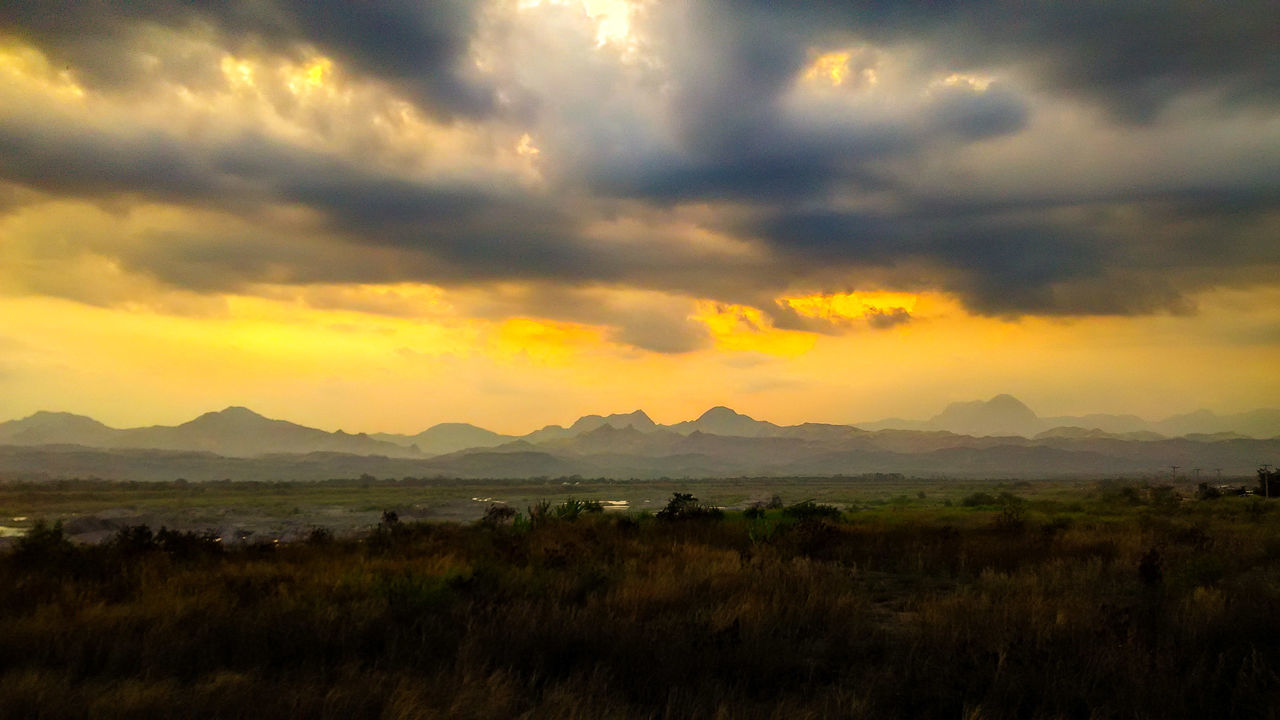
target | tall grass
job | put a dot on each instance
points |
(791, 612)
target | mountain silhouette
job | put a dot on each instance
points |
(982, 438)
(1006, 415)
(50, 428)
(637, 419)
(233, 432)
(1001, 415)
(446, 438)
(721, 420)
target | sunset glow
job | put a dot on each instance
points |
(514, 214)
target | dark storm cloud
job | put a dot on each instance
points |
(783, 162)
(251, 171)
(997, 267)
(372, 227)
(1011, 261)
(419, 46)
(885, 319)
(713, 120)
(1133, 57)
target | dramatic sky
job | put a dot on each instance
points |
(382, 215)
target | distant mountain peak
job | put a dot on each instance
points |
(42, 416)
(234, 416)
(720, 412)
(637, 419)
(1003, 414)
(45, 421)
(721, 420)
(237, 411)
(1007, 400)
(610, 430)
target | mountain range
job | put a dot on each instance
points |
(1006, 415)
(1000, 436)
(234, 432)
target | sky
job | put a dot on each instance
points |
(380, 216)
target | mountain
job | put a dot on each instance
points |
(1118, 424)
(446, 438)
(550, 432)
(637, 419)
(50, 428)
(1000, 437)
(1006, 415)
(606, 438)
(695, 455)
(895, 423)
(233, 432)
(1001, 415)
(1264, 423)
(721, 420)
(1072, 431)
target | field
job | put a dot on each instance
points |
(93, 510)
(879, 597)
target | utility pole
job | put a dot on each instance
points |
(1174, 468)
(1195, 472)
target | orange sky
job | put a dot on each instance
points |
(370, 372)
(591, 208)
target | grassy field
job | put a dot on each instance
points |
(1105, 599)
(351, 505)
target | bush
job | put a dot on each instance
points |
(44, 545)
(498, 515)
(809, 510)
(539, 513)
(978, 499)
(1151, 567)
(1205, 491)
(1164, 497)
(319, 537)
(133, 540)
(684, 506)
(571, 508)
(187, 545)
(1013, 512)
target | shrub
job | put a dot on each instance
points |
(1056, 525)
(571, 508)
(539, 513)
(319, 537)
(1205, 491)
(1151, 567)
(498, 515)
(187, 545)
(44, 545)
(1164, 497)
(1013, 512)
(809, 510)
(978, 499)
(684, 506)
(133, 540)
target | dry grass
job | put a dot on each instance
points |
(1122, 610)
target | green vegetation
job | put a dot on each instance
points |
(1115, 600)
